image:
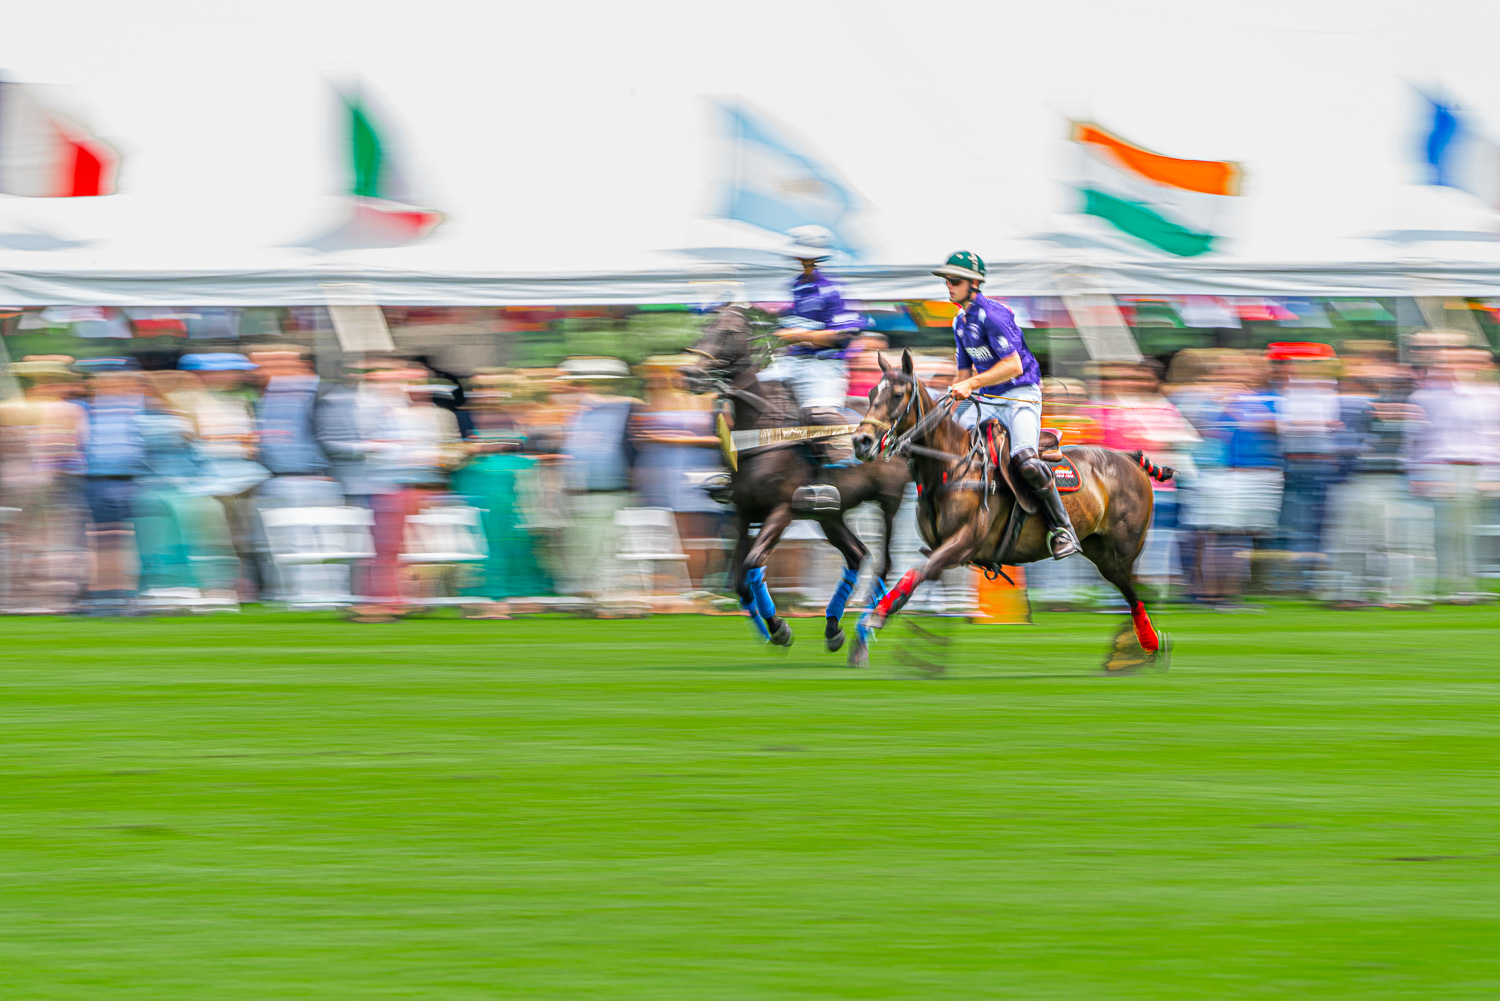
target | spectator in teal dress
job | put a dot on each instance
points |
(501, 480)
(183, 537)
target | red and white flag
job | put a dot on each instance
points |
(44, 154)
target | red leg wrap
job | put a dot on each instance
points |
(896, 596)
(1144, 631)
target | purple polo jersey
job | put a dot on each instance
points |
(818, 305)
(987, 333)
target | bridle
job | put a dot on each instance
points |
(891, 443)
(716, 373)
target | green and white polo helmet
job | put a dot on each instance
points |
(963, 264)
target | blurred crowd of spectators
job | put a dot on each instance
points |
(126, 490)
(1357, 478)
(1354, 478)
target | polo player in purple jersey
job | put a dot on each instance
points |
(817, 331)
(998, 379)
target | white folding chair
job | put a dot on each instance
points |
(1487, 545)
(445, 534)
(313, 549)
(648, 550)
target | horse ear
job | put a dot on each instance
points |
(907, 368)
(885, 366)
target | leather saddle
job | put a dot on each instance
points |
(1049, 443)
(1051, 446)
(997, 441)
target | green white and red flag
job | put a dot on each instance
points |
(383, 212)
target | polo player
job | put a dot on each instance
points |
(998, 379)
(817, 331)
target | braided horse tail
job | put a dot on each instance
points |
(1160, 474)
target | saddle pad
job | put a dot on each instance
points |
(1066, 475)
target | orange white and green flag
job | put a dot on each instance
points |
(1176, 206)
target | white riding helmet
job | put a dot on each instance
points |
(809, 243)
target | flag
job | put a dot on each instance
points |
(382, 209)
(1174, 205)
(771, 184)
(1457, 155)
(44, 154)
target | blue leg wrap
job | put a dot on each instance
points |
(755, 579)
(862, 627)
(756, 621)
(841, 594)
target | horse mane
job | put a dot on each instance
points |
(769, 404)
(919, 386)
(782, 410)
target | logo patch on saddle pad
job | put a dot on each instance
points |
(1066, 476)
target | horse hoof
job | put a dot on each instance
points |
(859, 655)
(834, 641)
(1162, 658)
(1118, 669)
(783, 635)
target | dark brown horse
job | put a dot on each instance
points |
(970, 510)
(761, 488)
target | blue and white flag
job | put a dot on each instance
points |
(1457, 155)
(769, 184)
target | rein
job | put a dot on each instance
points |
(906, 444)
(926, 420)
(727, 389)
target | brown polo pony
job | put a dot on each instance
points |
(971, 510)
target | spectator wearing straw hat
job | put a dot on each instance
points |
(600, 455)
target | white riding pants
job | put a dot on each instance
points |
(815, 382)
(1020, 412)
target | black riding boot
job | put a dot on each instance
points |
(1038, 476)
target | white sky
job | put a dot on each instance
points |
(577, 136)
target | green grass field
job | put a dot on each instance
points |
(276, 806)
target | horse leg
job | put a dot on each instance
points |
(842, 538)
(956, 549)
(778, 631)
(737, 576)
(1117, 568)
(878, 588)
(889, 517)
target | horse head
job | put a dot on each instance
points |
(894, 407)
(724, 352)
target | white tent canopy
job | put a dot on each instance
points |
(573, 148)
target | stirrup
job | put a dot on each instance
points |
(719, 487)
(816, 497)
(1069, 549)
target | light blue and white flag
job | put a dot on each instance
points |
(1457, 154)
(768, 183)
